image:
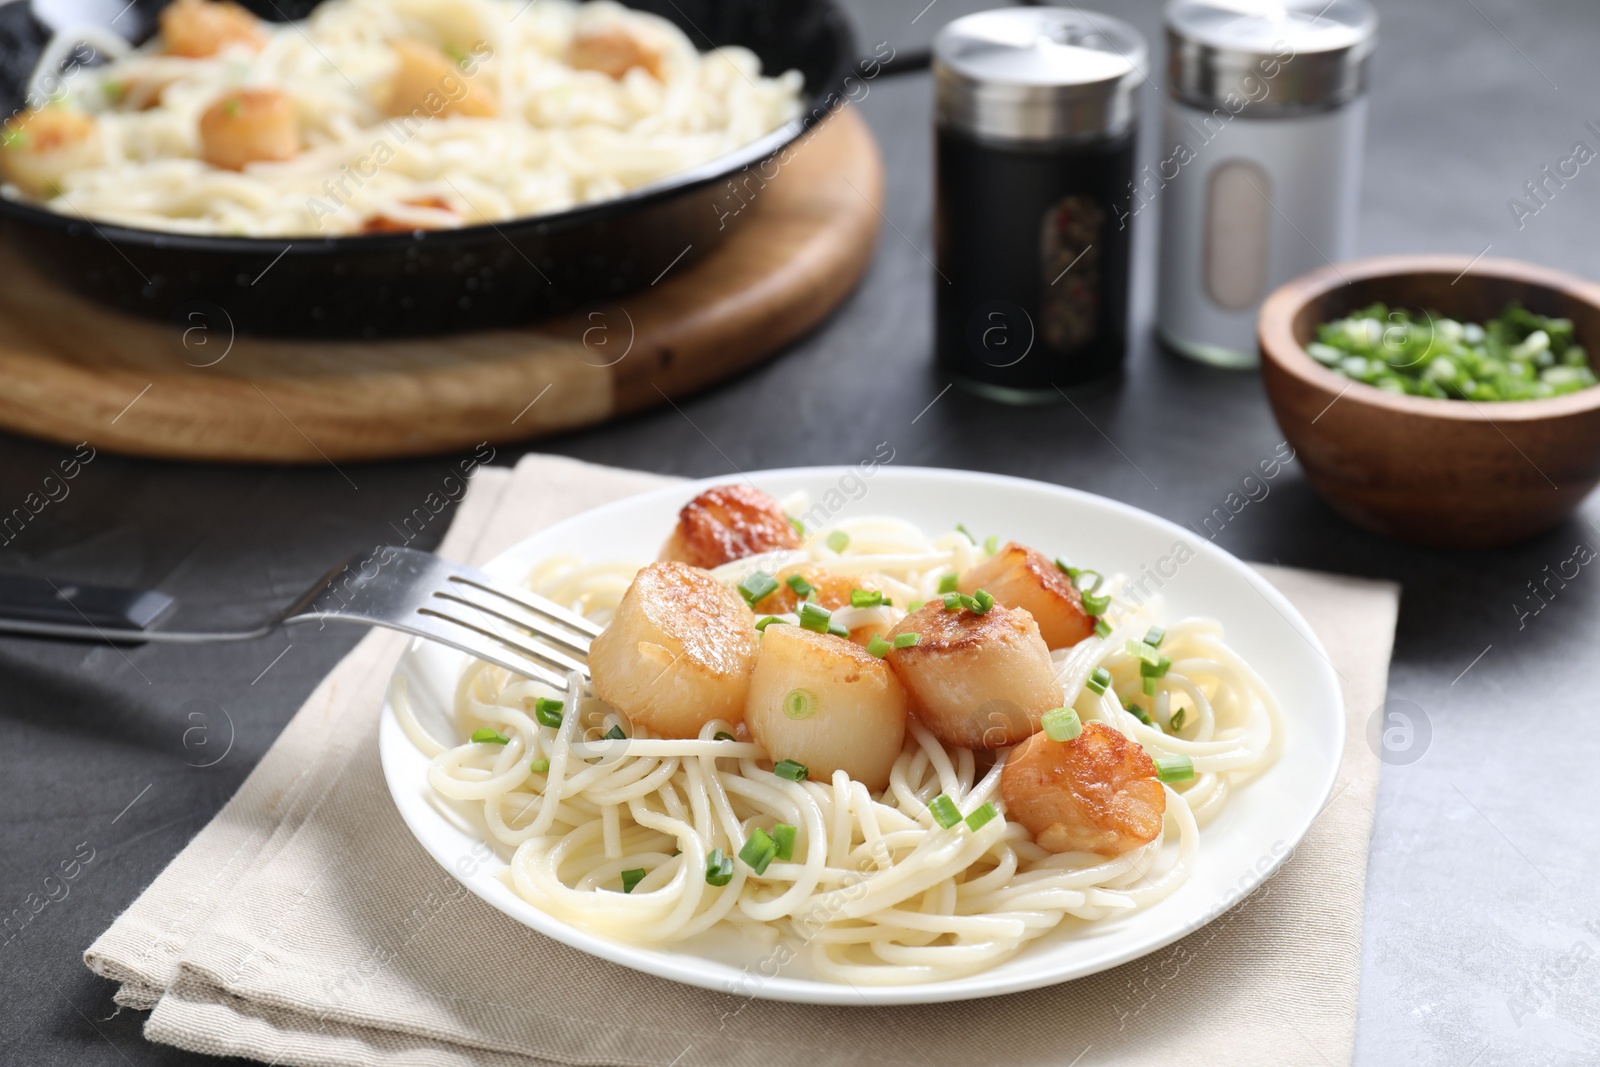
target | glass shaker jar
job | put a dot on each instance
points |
(1035, 121)
(1260, 161)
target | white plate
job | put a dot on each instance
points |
(1258, 828)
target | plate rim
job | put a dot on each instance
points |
(694, 970)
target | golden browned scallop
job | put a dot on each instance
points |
(679, 652)
(613, 50)
(824, 702)
(977, 681)
(249, 126)
(385, 224)
(429, 84)
(1095, 793)
(1019, 577)
(200, 28)
(831, 590)
(729, 522)
(39, 148)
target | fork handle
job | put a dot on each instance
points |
(25, 599)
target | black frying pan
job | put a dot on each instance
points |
(390, 285)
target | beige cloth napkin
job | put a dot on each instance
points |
(304, 925)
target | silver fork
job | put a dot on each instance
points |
(400, 589)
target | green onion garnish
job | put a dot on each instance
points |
(963, 529)
(952, 601)
(756, 586)
(944, 810)
(783, 836)
(981, 816)
(758, 851)
(878, 646)
(906, 640)
(540, 766)
(488, 736)
(838, 629)
(1066, 568)
(719, 868)
(799, 704)
(1081, 583)
(1158, 669)
(1179, 717)
(814, 617)
(1142, 652)
(788, 768)
(947, 584)
(548, 712)
(799, 527)
(1174, 768)
(915, 605)
(838, 540)
(615, 734)
(1096, 603)
(1102, 628)
(768, 621)
(866, 598)
(991, 545)
(723, 735)
(982, 602)
(1099, 681)
(1061, 724)
(632, 878)
(1138, 713)
(1154, 636)
(1149, 687)
(801, 587)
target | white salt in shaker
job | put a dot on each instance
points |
(1260, 160)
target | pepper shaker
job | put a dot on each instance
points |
(1036, 116)
(1260, 163)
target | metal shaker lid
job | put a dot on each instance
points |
(1041, 74)
(1278, 57)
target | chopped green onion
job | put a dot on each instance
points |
(548, 712)
(719, 868)
(838, 629)
(1099, 681)
(1078, 580)
(1158, 669)
(814, 617)
(1179, 717)
(1102, 628)
(1154, 636)
(799, 704)
(783, 836)
(952, 601)
(799, 527)
(788, 768)
(1061, 724)
(906, 640)
(758, 851)
(540, 766)
(801, 587)
(866, 598)
(615, 734)
(723, 735)
(944, 811)
(768, 621)
(981, 816)
(878, 646)
(982, 602)
(1138, 713)
(1142, 652)
(632, 878)
(1174, 768)
(1066, 568)
(963, 529)
(838, 540)
(915, 605)
(1149, 687)
(488, 736)
(991, 545)
(947, 584)
(756, 586)
(1096, 603)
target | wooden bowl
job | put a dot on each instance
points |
(1441, 473)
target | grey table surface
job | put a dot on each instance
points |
(1482, 924)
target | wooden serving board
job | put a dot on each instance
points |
(72, 370)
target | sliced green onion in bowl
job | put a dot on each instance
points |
(815, 617)
(719, 868)
(878, 647)
(488, 736)
(799, 704)
(632, 878)
(790, 769)
(759, 851)
(947, 584)
(783, 835)
(838, 541)
(1061, 724)
(906, 640)
(866, 598)
(1099, 681)
(944, 810)
(1174, 768)
(756, 586)
(981, 816)
(615, 734)
(801, 587)
(547, 712)
(540, 766)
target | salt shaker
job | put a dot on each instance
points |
(1035, 120)
(1260, 160)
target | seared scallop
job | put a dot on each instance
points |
(249, 126)
(824, 702)
(729, 522)
(679, 652)
(199, 28)
(613, 50)
(39, 148)
(1095, 793)
(977, 681)
(829, 589)
(427, 83)
(1019, 577)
